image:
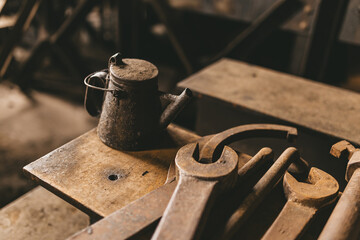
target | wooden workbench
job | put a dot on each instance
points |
(294, 100)
(98, 179)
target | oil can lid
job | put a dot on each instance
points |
(131, 69)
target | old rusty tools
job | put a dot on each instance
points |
(304, 199)
(132, 219)
(259, 191)
(198, 184)
(345, 219)
(128, 222)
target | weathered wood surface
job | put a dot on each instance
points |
(350, 30)
(312, 105)
(124, 222)
(40, 214)
(99, 179)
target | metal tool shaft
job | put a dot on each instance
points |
(344, 221)
(262, 158)
(290, 223)
(185, 222)
(259, 191)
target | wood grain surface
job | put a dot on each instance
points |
(98, 179)
(301, 102)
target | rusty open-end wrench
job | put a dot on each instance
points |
(304, 199)
(131, 219)
(344, 221)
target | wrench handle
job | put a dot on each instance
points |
(188, 207)
(291, 223)
(345, 219)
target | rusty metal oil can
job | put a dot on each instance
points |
(127, 99)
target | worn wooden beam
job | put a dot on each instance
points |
(298, 101)
(350, 30)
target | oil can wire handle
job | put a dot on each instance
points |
(101, 75)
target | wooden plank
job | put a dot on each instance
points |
(350, 31)
(40, 214)
(312, 105)
(99, 179)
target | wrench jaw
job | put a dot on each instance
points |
(299, 169)
(320, 189)
(197, 187)
(353, 164)
(292, 135)
(224, 170)
(304, 199)
(344, 149)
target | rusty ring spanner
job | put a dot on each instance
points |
(213, 147)
(198, 184)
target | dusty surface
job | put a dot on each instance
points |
(310, 105)
(29, 129)
(99, 179)
(135, 69)
(39, 214)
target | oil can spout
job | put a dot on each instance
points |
(176, 105)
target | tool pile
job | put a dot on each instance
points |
(206, 174)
